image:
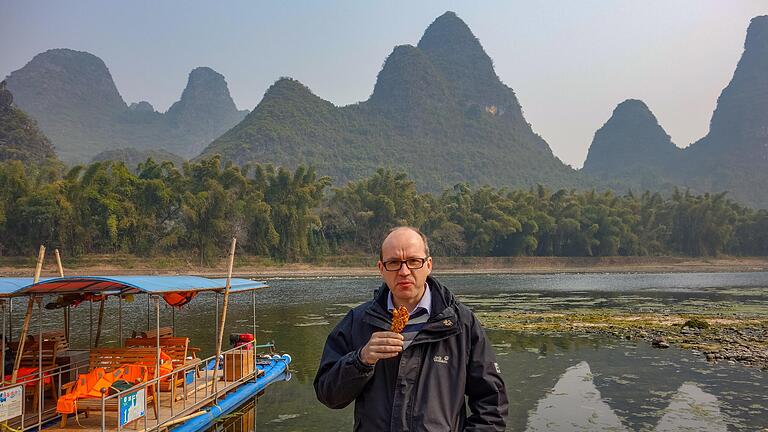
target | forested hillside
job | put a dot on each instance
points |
(74, 99)
(20, 138)
(438, 111)
(633, 151)
(192, 210)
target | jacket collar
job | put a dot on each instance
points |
(442, 308)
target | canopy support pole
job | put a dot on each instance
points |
(216, 318)
(149, 300)
(4, 342)
(173, 321)
(255, 355)
(10, 321)
(40, 386)
(98, 324)
(90, 324)
(223, 318)
(120, 319)
(157, 353)
(253, 304)
(66, 308)
(27, 317)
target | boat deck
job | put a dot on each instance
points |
(169, 412)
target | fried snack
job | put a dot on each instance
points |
(399, 319)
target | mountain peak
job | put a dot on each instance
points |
(739, 120)
(205, 86)
(292, 91)
(202, 75)
(468, 70)
(455, 50)
(632, 138)
(409, 82)
(448, 28)
(635, 110)
(57, 77)
(757, 33)
(206, 109)
(288, 84)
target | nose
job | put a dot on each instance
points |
(404, 270)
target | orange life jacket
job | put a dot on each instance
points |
(89, 385)
(179, 299)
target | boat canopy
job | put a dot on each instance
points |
(124, 285)
(10, 285)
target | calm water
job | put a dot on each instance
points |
(554, 383)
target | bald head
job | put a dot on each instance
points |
(401, 234)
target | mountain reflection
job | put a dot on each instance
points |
(692, 409)
(575, 404)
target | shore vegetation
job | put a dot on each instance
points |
(160, 209)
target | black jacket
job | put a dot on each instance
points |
(423, 388)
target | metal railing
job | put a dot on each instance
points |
(199, 395)
(56, 376)
(200, 386)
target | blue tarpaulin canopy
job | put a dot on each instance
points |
(10, 285)
(124, 285)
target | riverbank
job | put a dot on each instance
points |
(248, 266)
(717, 337)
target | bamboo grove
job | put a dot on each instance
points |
(194, 209)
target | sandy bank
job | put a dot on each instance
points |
(365, 266)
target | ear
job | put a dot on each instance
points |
(429, 265)
(380, 266)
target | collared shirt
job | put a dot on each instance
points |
(417, 318)
(425, 302)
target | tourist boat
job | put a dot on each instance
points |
(152, 381)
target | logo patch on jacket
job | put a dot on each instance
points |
(447, 323)
(440, 359)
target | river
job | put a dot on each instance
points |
(555, 383)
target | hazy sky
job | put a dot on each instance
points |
(570, 62)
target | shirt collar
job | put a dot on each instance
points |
(425, 302)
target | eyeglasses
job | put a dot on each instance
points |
(411, 263)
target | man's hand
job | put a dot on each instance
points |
(382, 345)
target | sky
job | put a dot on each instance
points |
(569, 62)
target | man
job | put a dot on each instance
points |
(426, 377)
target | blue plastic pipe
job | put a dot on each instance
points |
(272, 372)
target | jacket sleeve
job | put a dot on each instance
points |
(341, 375)
(486, 393)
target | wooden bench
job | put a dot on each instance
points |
(110, 359)
(165, 332)
(179, 350)
(52, 336)
(30, 358)
(176, 347)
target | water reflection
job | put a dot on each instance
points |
(574, 404)
(692, 409)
